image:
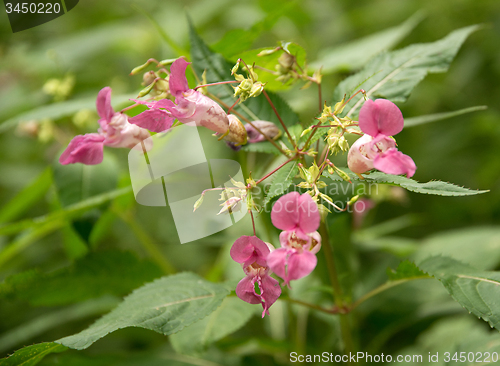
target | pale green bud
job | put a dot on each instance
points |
(198, 203)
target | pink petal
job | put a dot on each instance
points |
(285, 213)
(85, 149)
(245, 290)
(163, 103)
(178, 81)
(356, 161)
(308, 213)
(380, 117)
(203, 111)
(316, 237)
(395, 162)
(103, 104)
(155, 120)
(270, 291)
(248, 250)
(277, 261)
(300, 265)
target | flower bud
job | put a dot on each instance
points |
(148, 77)
(237, 132)
(267, 128)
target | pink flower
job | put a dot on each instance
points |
(299, 217)
(190, 106)
(251, 252)
(379, 119)
(115, 131)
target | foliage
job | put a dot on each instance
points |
(73, 240)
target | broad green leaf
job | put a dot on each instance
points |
(433, 187)
(228, 318)
(28, 196)
(393, 75)
(58, 110)
(77, 182)
(237, 41)
(484, 254)
(166, 306)
(218, 69)
(477, 291)
(405, 270)
(31, 355)
(357, 53)
(50, 320)
(420, 120)
(281, 181)
(97, 274)
(262, 147)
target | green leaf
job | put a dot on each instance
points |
(61, 215)
(262, 147)
(77, 182)
(433, 187)
(405, 270)
(393, 75)
(29, 195)
(415, 121)
(477, 291)
(53, 319)
(228, 318)
(484, 254)
(58, 110)
(218, 69)
(282, 180)
(237, 41)
(109, 272)
(166, 306)
(31, 355)
(356, 54)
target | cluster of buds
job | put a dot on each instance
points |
(155, 85)
(248, 87)
(288, 67)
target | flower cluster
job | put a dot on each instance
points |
(299, 217)
(115, 131)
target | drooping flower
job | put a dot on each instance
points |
(379, 119)
(114, 131)
(252, 252)
(299, 217)
(190, 106)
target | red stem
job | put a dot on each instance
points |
(274, 171)
(279, 117)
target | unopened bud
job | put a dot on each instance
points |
(237, 132)
(267, 128)
(146, 90)
(148, 77)
(268, 51)
(286, 60)
(236, 67)
(198, 203)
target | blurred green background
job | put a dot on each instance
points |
(98, 43)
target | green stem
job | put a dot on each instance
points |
(337, 290)
(146, 240)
